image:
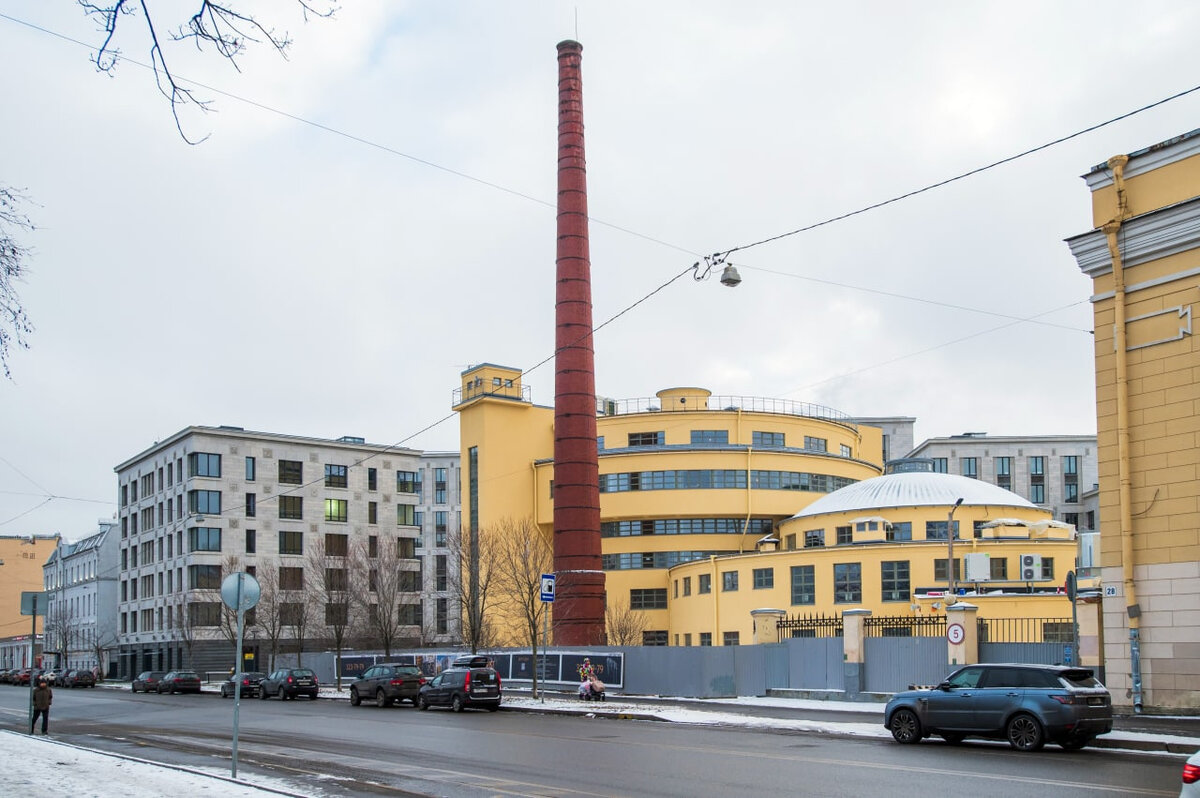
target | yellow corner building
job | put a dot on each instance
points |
(710, 507)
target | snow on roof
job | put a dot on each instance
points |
(913, 489)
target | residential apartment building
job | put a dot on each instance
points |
(441, 519)
(21, 558)
(80, 580)
(330, 528)
(1143, 255)
(1052, 471)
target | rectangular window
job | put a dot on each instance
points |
(372, 513)
(337, 545)
(894, 583)
(441, 574)
(203, 538)
(999, 566)
(203, 577)
(759, 439)
(730, 639)
(846, 451)
(764, 578)
(1004, 472)
(204, 613)
(373, 546)
(1071, 493)
(336, 509)
(687, 586)
(1072, 519)
(939, 465)
(440, 527)
(291, 578)
(1037, 466)
(202, 465)
(704, 583)
(250, 469)
(936, 530)
(729, 581)
(1070, 466)
(803, 585)
(656, 637)
(408, 481)
(336, 579)
(291, 542)
(1037, 480)
(291, 613)
(441, 615)
(204, 502)
(291, 472)
(706, 638)
(291, 507)
(251, 505)
(406, 548)
(939, 570)
(815, 444)
(814, 538)
(970, 467)
(1048, 568)
(335, 476)
(251, 541)
(845, 534)
(702, 437)
(901, 530)
(847, 582)
(406, 514)
(646, 438)
(648, 599)
(372, 479)
(1037, 492)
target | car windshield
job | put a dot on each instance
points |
(408, 670)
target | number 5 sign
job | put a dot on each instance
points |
(548, 587)
(955, 633)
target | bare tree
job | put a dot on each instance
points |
(14, 323)
(185, 629)
(472, 569)
(624, 625)
(522, 554)
(62, 627)
(389, 576)
(102, 644)
(332, 562)
(232, 565)
(268, 613)
(220, 25)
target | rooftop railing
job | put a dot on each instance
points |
(703, 403)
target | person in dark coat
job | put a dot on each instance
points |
(43, 696)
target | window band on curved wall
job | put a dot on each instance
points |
(686, 526)
(635, 560)
(718, 479)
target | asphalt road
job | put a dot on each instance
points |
(329, 748)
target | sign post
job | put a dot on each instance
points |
(548, 581)
(1072, 592)
(240, 592)
(31, 601)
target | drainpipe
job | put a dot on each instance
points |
(749, 504)
(713, 589)
(1111, 233)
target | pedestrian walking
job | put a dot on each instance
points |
(43, 696)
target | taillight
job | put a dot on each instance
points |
(290, 680)
(422, 681)
(497, 681)
(1068, 699)
(467, 681)
(1191, 773)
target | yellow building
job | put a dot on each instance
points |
(694, 487)
(21, 561)
(1143, 256)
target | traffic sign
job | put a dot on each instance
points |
(548, 587)
(1071, 586)
(240, 591)
(955, 633)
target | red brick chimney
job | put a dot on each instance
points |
(579, 599)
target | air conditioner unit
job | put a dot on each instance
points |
(1031, 567)
(978, 566)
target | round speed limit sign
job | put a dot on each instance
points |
(955, 633)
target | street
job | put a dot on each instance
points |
(329, 748)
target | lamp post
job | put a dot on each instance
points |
(950, 547)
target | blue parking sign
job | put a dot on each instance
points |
(548, 587)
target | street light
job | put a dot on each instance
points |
(950, 546)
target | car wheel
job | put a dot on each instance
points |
(1074, 743)
(354, 699)
(381, 699)
(953, 738)
(422, 703)
(262, 693)
(224, 693)
(1025, 733)
(905, 727)
(456, 703)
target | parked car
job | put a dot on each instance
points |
(53, 676)
(289, 683)
(179, 682)
(1191, 777)
(79, 678)
(147, 681)
(6, 676)
(249, 681)
(459, 688)
(387, 683)
(1027, 705)
(24, 675)
(472, 661)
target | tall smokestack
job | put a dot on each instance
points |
(579, 599)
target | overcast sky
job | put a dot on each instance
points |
(331, 266)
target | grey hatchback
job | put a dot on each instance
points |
(459, 688)
(1027, 705)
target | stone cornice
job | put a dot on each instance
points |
(1144, 238)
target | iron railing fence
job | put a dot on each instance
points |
(810, 626)
(906, 626)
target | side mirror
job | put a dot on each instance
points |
(944, 686)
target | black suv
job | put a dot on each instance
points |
(249, 688)
(289, 683)
(458, 688)
(387, 683)
(1024, 704)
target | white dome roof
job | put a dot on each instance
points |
(913, 489)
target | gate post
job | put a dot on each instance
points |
(962, 647)
(854, 649)
(1091, 634)
(766, 625)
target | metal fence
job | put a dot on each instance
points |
(1026, 630)
(810, 626)
(906, 626)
